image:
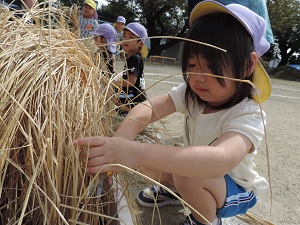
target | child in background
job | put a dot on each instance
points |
(119, 25)
(224, 126)
(87, 21)
(133, 81)
(105, 36)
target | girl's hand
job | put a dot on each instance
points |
(107, 150)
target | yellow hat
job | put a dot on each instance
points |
(91, 3)
(255, 25)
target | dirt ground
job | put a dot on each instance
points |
(283, 141)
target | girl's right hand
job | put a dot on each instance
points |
(107, 150)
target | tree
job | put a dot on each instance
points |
(160, 17)
(128, 9)
(285, 17)
(70, 2)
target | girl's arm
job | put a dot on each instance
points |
(195, 161)
(140, 116)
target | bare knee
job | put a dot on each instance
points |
(190, 188)
(157, 175)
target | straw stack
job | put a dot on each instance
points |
(51, 92)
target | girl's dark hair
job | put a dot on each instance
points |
(224, 31)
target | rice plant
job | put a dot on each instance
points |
(51, 91)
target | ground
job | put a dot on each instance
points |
(283, 141)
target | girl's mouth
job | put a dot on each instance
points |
(201, 90)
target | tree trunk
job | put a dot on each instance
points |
(156, 48)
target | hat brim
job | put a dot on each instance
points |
(262, 84)
(260, 78)
(111, 46)
(205, 8)
(144, 51)
(90, 4)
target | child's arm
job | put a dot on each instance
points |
(195, 161)
(132, 78)
(140, 116)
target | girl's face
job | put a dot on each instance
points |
(100, 40)
(133, 46)
(207, 87)
(120, 26)
(87, 11)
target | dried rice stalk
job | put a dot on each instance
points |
(51, 92)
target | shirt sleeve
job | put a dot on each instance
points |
(133, 65)
(178, 96)
(249, 120)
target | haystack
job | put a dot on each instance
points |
(51, 92)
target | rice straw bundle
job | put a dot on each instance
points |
(51, 92)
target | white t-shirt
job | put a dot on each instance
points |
(204, 129)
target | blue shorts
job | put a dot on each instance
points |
(237, 201)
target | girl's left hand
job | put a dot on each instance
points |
(107, 150)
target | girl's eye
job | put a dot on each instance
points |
(191, 65)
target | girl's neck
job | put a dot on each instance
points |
(208, 109)
(131, 53)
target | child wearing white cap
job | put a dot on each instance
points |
(119, 25)
(104, 37)
(133, 81)
(87, 21)
(223, 127)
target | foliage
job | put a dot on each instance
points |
(285, 73)
(70, 2)
(118, 8)
(160, 17)
(285, 17)
(169, 18)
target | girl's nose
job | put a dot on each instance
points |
(200, 77)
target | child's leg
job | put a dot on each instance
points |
(215, 197)
(205, 195)
(164, 178)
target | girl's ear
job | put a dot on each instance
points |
(252, 64)
(141, 44)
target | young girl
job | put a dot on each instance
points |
(214, 171)
(133, 81)
(105, 35)
(86, 19)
